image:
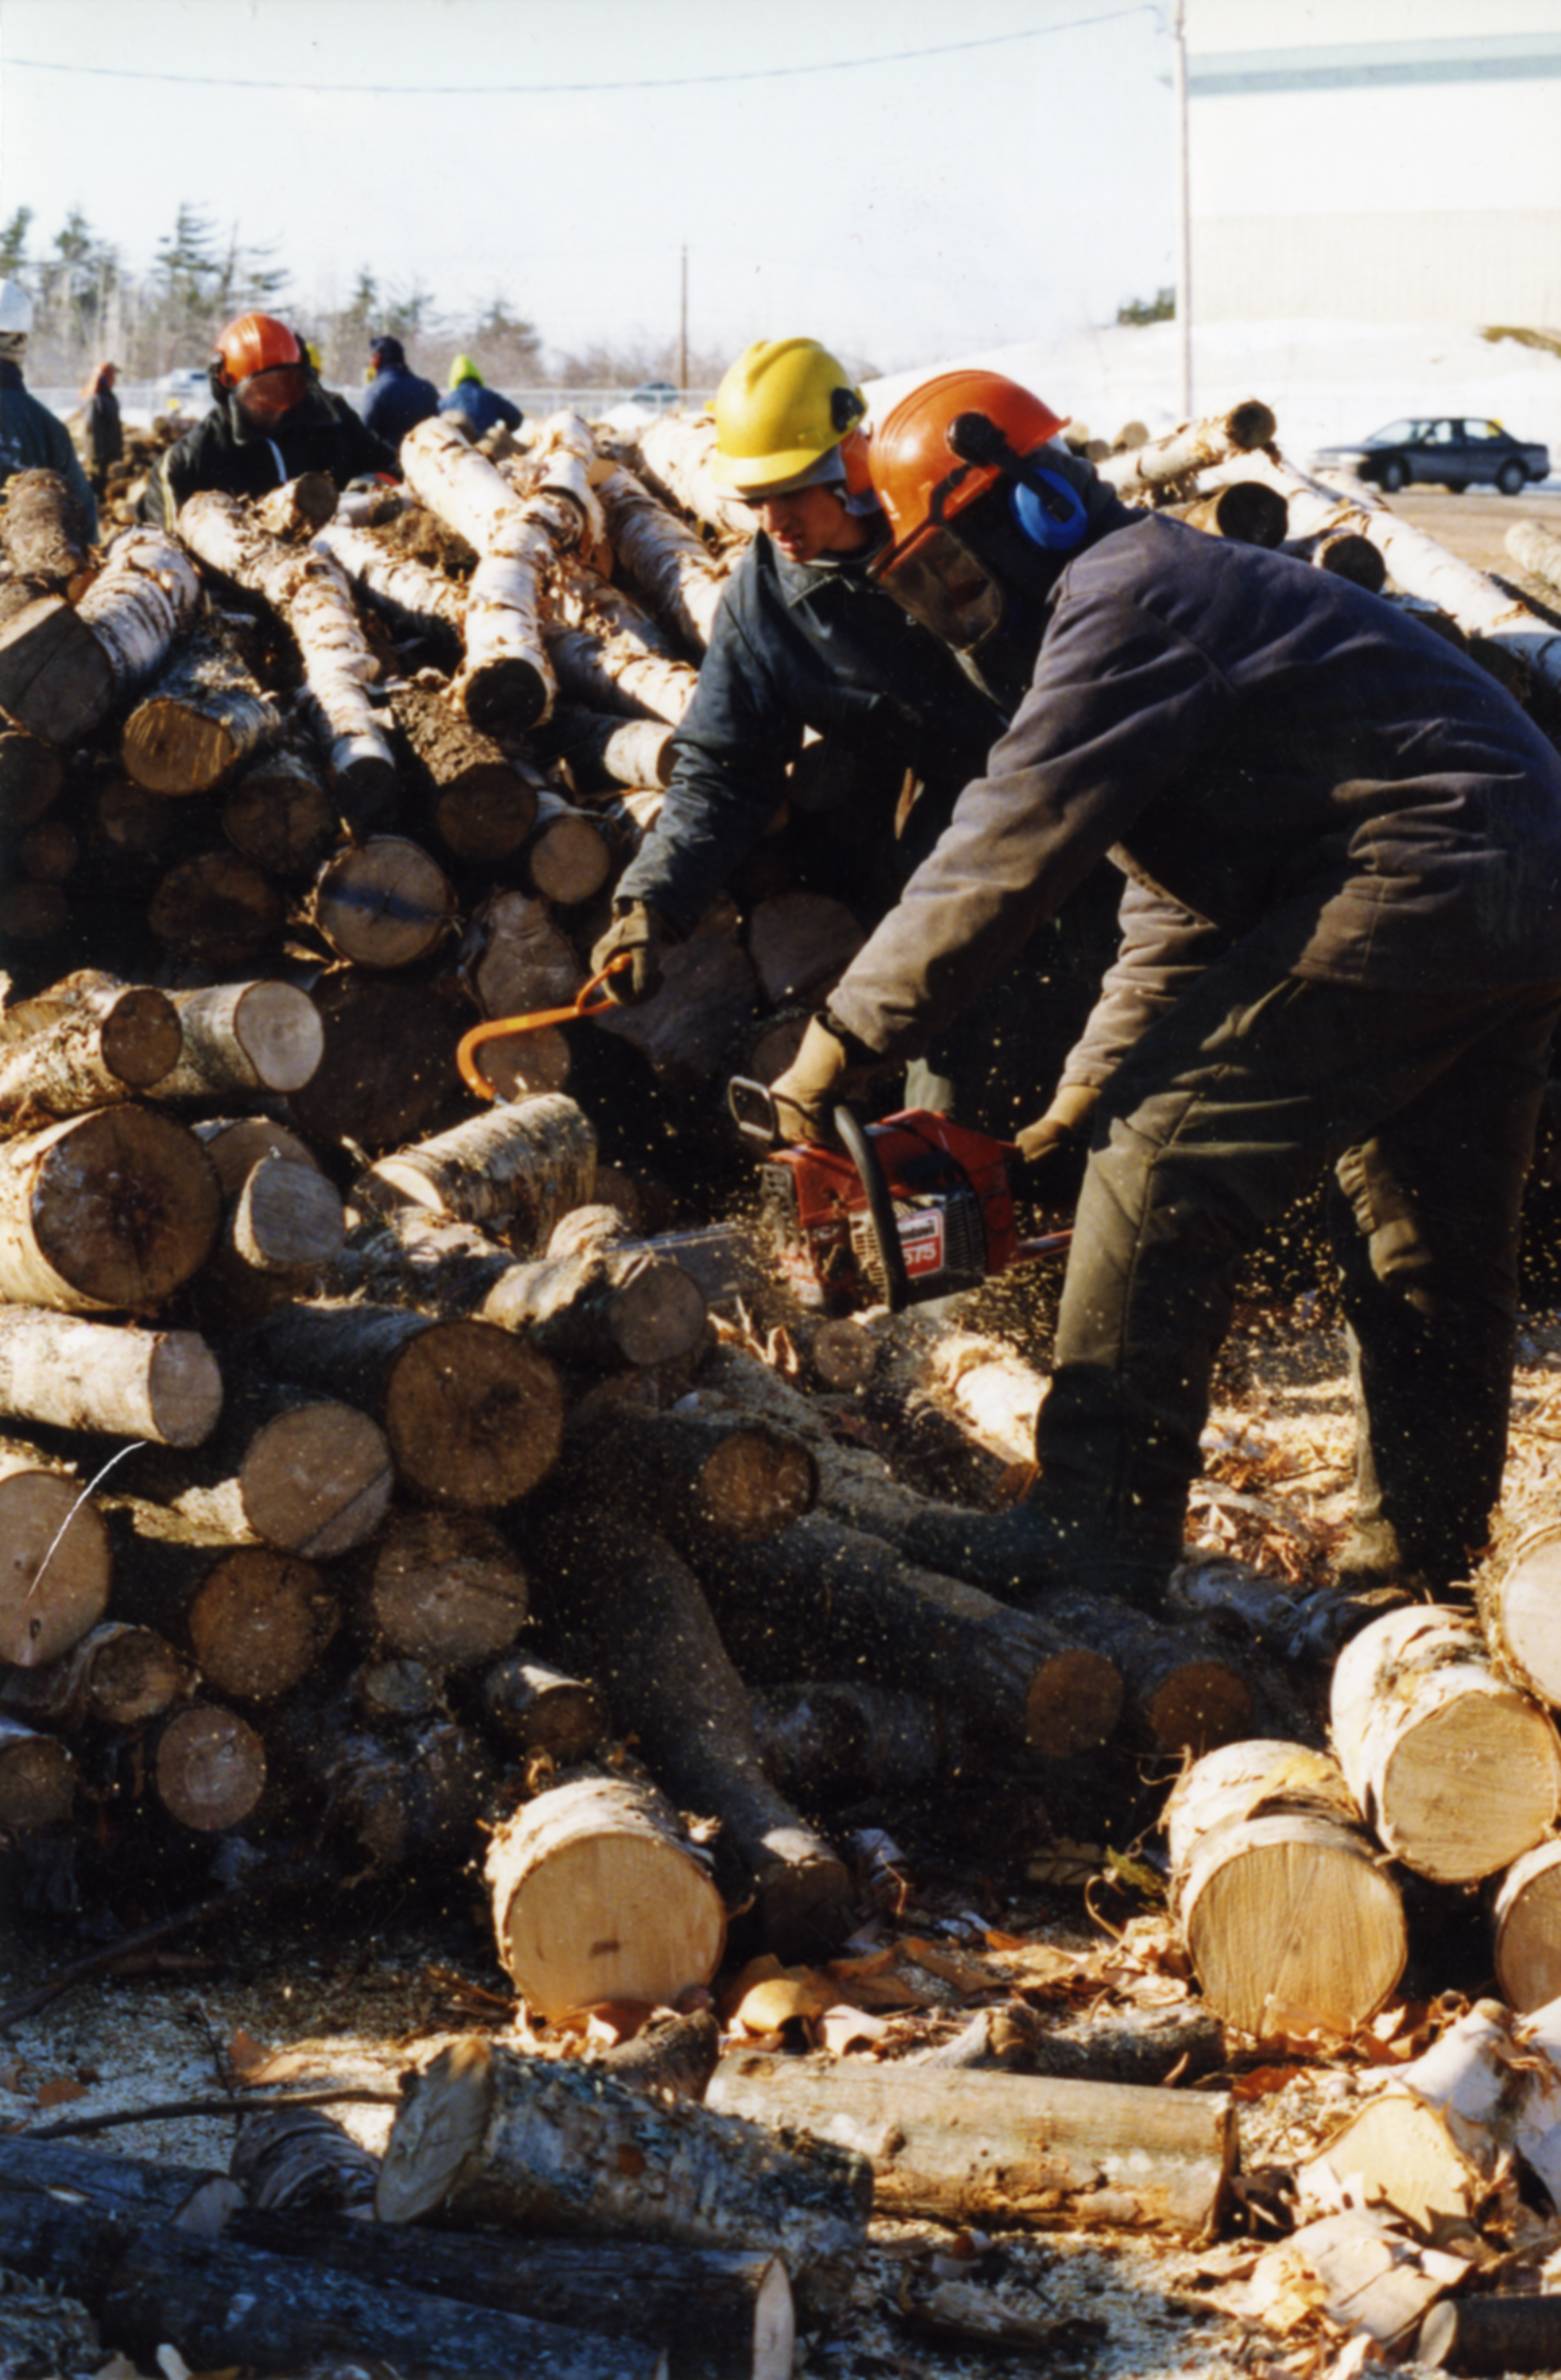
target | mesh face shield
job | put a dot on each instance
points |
(942, 583)
(269, 394)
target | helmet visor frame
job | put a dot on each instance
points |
(270, 393)
(944, 583)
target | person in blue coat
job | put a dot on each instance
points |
(31, 438)
(398, 399)
(482, 408)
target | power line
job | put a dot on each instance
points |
(558, 90)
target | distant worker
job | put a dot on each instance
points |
(31, 438)
(398, 399)
(482, 408)
(104, 434)
(271, 421)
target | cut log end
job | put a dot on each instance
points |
(505, 696)
(473, 1416)
(55, 1562)
(439, 2128)
(210, 1769)
(1075, 1702)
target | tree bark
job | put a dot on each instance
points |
(1291, 1921)
(477, 802)
(115, 1209)
(88, 1049)
(236, 1144)
(1196, 446)
(287, 1468)
(405, 1802)
(507, 680)
(442, 1588)
(44, 531)
(202, 715)
(474, 1417)
(676, 454)
(244, 1037)
(602, 751)
(417, 600)
(38, 1779)
(598, 1896)
(1519, 1616)
(666, 559)
(254, 1621)
(611, 673)
(120, 1676)
(282, 1229)
(539, 2144)
(515, 960)
(562, 460)
(530, 1707)
(389, 1068)
(1186, 1690)
(160, 1385)
(1344, 555)
(582, 598)
(63, 668)
(310, 593)
(1004, 2149)
(298, 510)
(382, 904)
(527, 1162)
(1246, 512)
(215, 910)
(1492, 2335)
(672, 1683)
(698, 1478)
(1414, 1704)
(1537, 550)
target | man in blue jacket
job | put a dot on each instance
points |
(1342, 949)
(480, 406)
(31, 438)
(398, 399)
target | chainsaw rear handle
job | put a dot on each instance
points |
(753, 1110)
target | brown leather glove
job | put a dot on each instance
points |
(644, 934)
(1060, 1132)
(831, 1065)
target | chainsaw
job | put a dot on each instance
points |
(916, 1206)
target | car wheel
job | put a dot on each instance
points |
(1512, 479)
(1391, 475)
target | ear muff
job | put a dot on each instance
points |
(1054, 522)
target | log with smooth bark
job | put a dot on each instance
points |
(311, 594)
(285, 1466)
(540, 2145)
(160, 1385)
(202, 714)
(263, 1037)
(156, 2286)
(568, 854)
(529, 1708)
(282, 1229)
(1416, 1704)
(528, 1161)
(1292, 1922)
(62, 668)
(31, 775)
(473, 1416)
(215, 911)
(254, 1621)
(479, 803)
(819, 1599)
(676, 455)
(1194, 447)
(672, 1682)
(382, 904)
(662, 556)
(600, 750)
(44, 531)
(299, 508)
(613, 673)
(975, 2148)
(444, 1588)
(120, 1676)
(404, 1801)
(1517, 1612)
(597, 1895)
(112, 1210)
(278, 815)
(505, 680)
(417, 600)
(38, 1777)
(206, 1766)
(89, 1048)
(1246, 512)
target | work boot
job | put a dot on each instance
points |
(1030, 1553)
(1372, 1559)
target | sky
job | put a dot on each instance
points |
(1014, 181)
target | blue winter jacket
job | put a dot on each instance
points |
(34, 439)
(481, 405)
(395, 401)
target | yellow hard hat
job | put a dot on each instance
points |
(780, 408)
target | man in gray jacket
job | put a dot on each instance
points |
(1341, 947)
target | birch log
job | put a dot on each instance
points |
(1419, 565)
(256, 1037)
(31, 775)
(478, 802)
(532, 1161)
(38, 1779)
(203, 714)
(282, 1229)
(297, 510)
(389, 1069)
(417, 600)
(1195, 447)
(382, 904)
(514, 959)
(215, 910)
(162, 1386)
(507, 679)
(44, 532)
(616, 675)
(287, 1467)
(664, 557)
(1291, 1922)
(89, 1050)
(1526, 1929)
(579, 597)
(600, 750)
(563, 460)
(1247, 513)
(63, 668)
(597, 1895)
(55, 1560)
(310, 593)
(1457, 1771)
(676, 455)
(1519, 1612)
(118, 1676)
(569, 855)
(278, 815)
(442, 1588)
(542, 2145)
(115, 1209)
(1537, 550)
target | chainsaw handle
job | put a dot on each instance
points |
(751, 1107)
(501, 1028)
(857, 1144)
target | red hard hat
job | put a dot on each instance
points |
(918, 475)
(255, 342)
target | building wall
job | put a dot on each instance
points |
(1411, 176)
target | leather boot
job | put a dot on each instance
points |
(1027, 1553)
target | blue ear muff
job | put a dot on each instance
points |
(1056, 523)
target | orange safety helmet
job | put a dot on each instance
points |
(255, 342)
(913, 462)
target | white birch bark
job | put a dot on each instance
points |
(663, 556)
(676, 454)
(1195, 446)
(147, 593)
(507, 678)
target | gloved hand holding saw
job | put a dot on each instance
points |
(831, 1065)
(1061, 1134)
(644, 933)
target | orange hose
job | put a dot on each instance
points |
(499, 1028)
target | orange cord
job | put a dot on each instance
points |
(499, 1028)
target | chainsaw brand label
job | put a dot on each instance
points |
(921, 1241)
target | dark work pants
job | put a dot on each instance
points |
(1425, 1103)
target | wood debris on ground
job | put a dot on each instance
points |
(407, 1501)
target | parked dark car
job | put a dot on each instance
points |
(1452, 451)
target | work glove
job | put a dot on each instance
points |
(831, 1065)
(643, 933)
(1059, 1135)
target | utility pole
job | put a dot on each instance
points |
(683, 331)
(1184, 206)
